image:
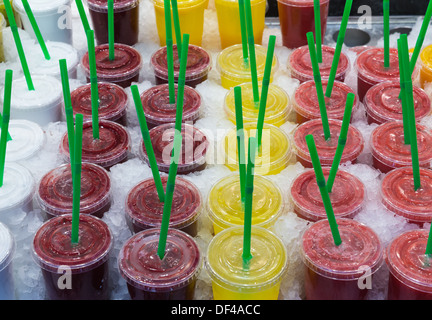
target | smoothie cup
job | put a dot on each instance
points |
(126, 21)
(389, 150)
(382, 103)
(306, 104)
(409, 266)
(158, 109)
(232, 70)
(86, 263)
(296, 19)
(3, 24)
(7, 253)
(347, 196)
(327, 149)
(229, 21)
(150, 278)
(54, 193)
(278, 105)
(123, 70)
(335, 272)
(425, 66)
(261, 280)
(225, 208)
(198, 66)
(144, 209)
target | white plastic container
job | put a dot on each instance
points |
(7, 251)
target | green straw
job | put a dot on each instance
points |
(18, 45)
(338, 49)
(82, 15)
(421, 37)
(428, 251)
(5, 122)
(170, 54)
(386, 8)
(111, 30)
(317, 16)
(251, 42)
(240, 140)
(243, 31)
(76, 179)
(36, 29)
(323, 190)
(341, 142)
(94, 84)
(9, 138)
(147, 143)
(318, 85)
(177, 28)
(402, 96)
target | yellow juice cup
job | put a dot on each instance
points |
(274, 155)
(234, 72)
(2, 26)
(229, 21)
(191, 17)
(278, 105)
(426, 66)
(231, 280)
(225, 208)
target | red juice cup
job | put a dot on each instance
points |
(300, 65)
(306, 104)
(389, 150)
(86, 263)
(158, 109)
(382, 103)
(410, 268)
(123, 70)
(347, 196)
(126, 20)
(296, 19)
(336, 272)
(198, 66)
(113, 101)
(144, 209)
(327, 149)
(54, 193)
(111, 148)
(194, 148)
(150, 278)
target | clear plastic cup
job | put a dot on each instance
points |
(158, 109)
(150, 278)
(225, 208)
(199, 64)
(55, 191)
(278, 106)
(260, 280)
(7, 253)
(306, 104)
(144, 210)
(389, 150)
(327, 148)
(85, 263)
(3, 25)
(425, 66)
(232, 69)
(335, 272)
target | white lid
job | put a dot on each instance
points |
(7, 246)
(41, 6)
(57, 50)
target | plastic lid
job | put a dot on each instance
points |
(425, 57)
(119, 5)
(142, 268)
(41, 7)
(7, 246)
(182, 4)
(370, 65)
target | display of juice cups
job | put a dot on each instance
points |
(7, 254)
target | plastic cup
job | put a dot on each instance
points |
(389, 150)
(336, 272)
(194, 148)
(409, 266)
(3, 25)
(113, 101)
(425, 66)
(150, 278)
(54, 193)
(7, 253)
(229, 21)
(327, 149)
(260, 280)
(232, 70)
(347, 196)
(199, 64)
(123, 70)
(191, 17)
(296, 19)
(225, 208)
(382, 103)
(111, 148)
(300, 65)
(158, 109)
(53, 17)
(306, 104)
(126, 21)
(278, 105)
(85, 263)
(144, 209)
(42, 105)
